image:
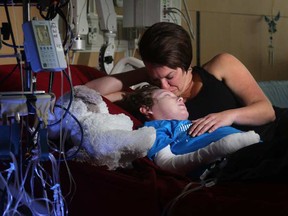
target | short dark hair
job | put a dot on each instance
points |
(166, 44)
(141, 96)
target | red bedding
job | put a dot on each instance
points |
(145, 189)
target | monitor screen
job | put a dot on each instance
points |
(42, 35)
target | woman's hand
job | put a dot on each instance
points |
(211, 122)
(256, 108)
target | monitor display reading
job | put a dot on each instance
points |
(42, 35)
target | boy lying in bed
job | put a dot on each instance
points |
(174, 149)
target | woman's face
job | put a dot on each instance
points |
(168, 106)
(174, 80)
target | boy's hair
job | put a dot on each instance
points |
(141, 96)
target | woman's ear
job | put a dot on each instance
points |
(146, 112)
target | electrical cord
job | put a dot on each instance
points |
(70, 101)
(11, 45)
(81, 137)
(14, 200)
(207, 179)
(12, 34)
(52, 11)
(188, 189)
(68, 30)
(188, 16)
(177, 11)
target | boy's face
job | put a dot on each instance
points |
(168, 106)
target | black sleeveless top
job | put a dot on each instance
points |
(215, 96)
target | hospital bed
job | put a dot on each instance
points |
(146, 189)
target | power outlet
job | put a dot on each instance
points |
(93, 29)
(95, 37)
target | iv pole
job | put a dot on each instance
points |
(28, 73)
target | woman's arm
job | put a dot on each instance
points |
(256, 110)
(113, 85)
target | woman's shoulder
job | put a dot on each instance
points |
(220, 59)
(219, 64)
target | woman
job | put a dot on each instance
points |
(221, 93)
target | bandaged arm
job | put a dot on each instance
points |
(216, 150)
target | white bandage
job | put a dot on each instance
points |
(216, 150)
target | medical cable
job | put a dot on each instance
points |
(188, 189)
(176, 10)
(11, 45)
(68, 31)
(207, 179)
(21, 197)
(12, 34)
(189, 19)
(71, 179)
(70, 101)
(81, 137)
(59, 203)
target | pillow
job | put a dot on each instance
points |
(108, 139)
(216, 150)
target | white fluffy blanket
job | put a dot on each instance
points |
(109, 139)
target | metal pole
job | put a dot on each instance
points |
(28, 73)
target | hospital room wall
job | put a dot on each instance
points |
(239, 27)
(16, 17)
(234, 26)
